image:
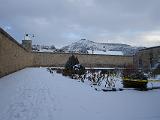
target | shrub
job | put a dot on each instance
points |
(134, 78)
(59, 70)
(79, 69)
(67, 72)
(72, 66)
(71, 62)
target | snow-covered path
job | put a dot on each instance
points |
(35, 94)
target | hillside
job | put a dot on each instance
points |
(85, 46)
(90, 47)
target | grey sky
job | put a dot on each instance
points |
(61, 22)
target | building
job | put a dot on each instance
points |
(27, 43)
(148, 59)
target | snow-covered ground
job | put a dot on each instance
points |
(35, 94)
(158, 77)
(105, 52)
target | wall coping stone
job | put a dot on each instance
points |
(81, 54)
(11, 38)
(150, 48)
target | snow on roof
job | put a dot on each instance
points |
(106, 52)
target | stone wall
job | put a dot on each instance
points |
(13, 57)
(59, 59)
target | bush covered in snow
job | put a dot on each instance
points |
(71, 62)
(72, 66)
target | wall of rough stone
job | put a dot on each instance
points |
(13, 56)
(59, 59)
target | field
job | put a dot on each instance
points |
(35, 94)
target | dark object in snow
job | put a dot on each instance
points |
(135, 84)
(112, 89)
(135, 80)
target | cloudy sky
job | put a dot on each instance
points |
(61, 22)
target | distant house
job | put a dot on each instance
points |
(147, 59)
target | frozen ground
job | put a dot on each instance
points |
(35, 94)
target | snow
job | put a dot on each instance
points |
(84, 43)
(45, 50)
(155, 84)
(157, 77)
(106, 53)
(35, 94)
(102, 68)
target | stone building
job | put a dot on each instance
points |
(27, 43)
(148, 59)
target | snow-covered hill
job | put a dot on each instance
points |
(44, 48)
(90, 47)
(83, 46)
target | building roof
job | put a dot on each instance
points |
(150, 48)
